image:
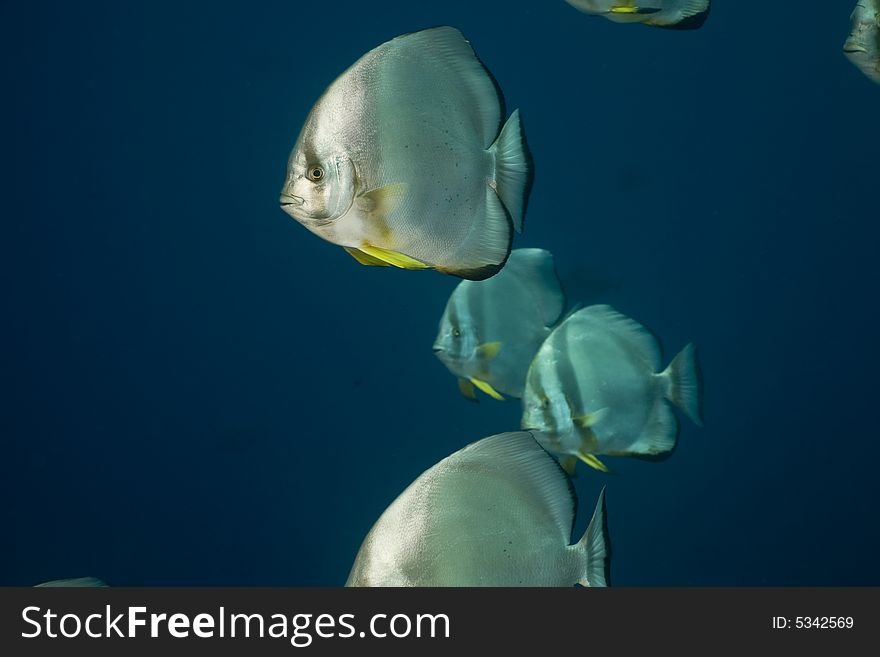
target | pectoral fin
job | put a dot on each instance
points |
(489, 390)
(592, 461)
(382, 201)
(589, 440)
(488, 350)
(392, 257)
(466, 388)
(363, 258)
(588, 420)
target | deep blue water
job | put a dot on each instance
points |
(197, 391)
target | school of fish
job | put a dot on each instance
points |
(407, 160)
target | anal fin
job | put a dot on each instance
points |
(660, 432)
(466, 388)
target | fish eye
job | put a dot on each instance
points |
(456, 333)
(545, 403)
(315, 173)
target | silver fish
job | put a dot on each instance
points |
(862, 47)
(490, 330)
(403, 160)
(595, 388)
(498, 512)
(76, 582)
(671, 14)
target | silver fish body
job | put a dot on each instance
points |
(670, 14)
(862, 46)
(498, 512)
(595, 387)
(490, 330)
(401, 161)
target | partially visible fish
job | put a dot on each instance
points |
(498, 512)
(76, 582)
(490, 330)
(862, 47)
(672, 14)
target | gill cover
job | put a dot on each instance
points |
(323, 199)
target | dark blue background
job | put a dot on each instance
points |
(195, 390)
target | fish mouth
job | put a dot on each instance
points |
(453, 363)
(852, 51)
(447, 357)
(295, 206)
(287, 200)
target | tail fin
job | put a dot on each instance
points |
(685, 385)
(594, 544)
(513, 169)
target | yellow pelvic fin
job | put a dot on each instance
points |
(569, 463)
(488, 350)
(363, 258)
(393, 257)
(592, 461)
(489, 390)
(466, 388)
(588, 420)
(631, 8)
